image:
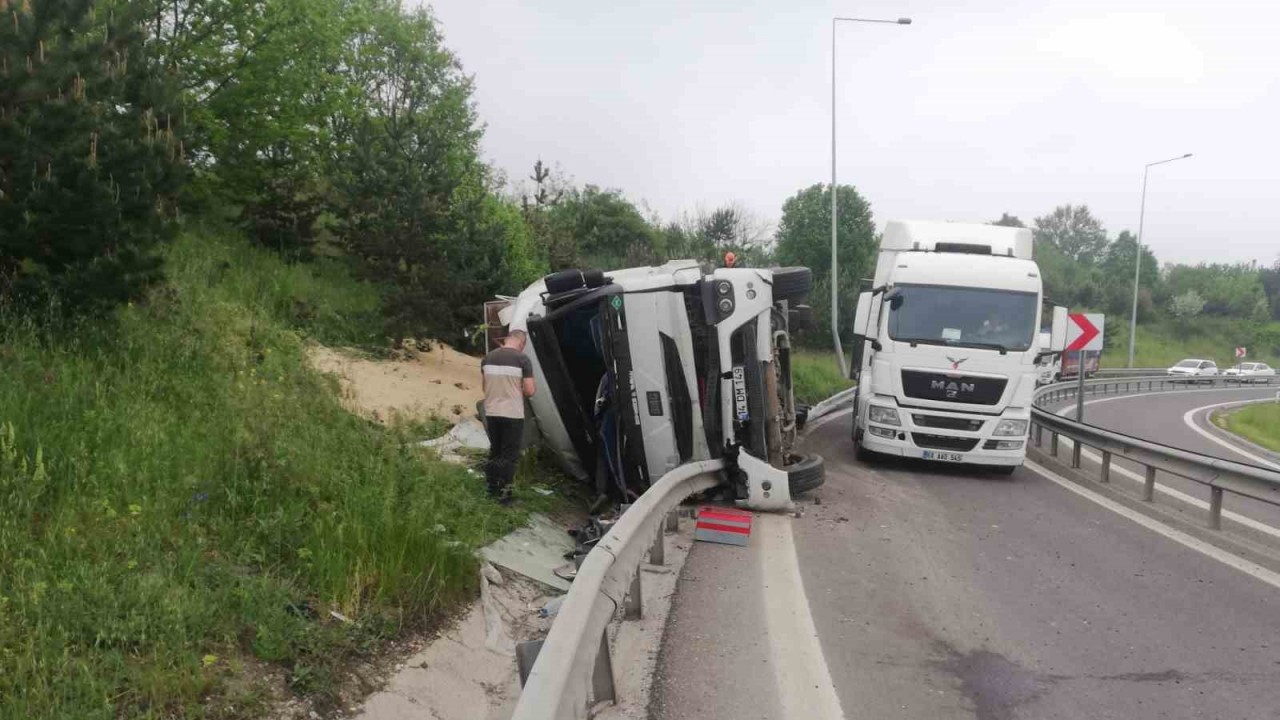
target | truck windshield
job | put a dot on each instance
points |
(964, 317)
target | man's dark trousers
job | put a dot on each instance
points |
(505, 436)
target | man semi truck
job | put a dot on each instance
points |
(946, 343)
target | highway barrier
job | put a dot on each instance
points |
(1220, 476)
(571, 669)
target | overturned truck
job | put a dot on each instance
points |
(644, 369)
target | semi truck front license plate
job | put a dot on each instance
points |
(944, 456)
(740, 393)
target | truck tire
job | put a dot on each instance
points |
(805, 475)
(792, 283)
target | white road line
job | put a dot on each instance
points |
(1245, 566)
(1190, 420)
(1161, 488)
(805, 689)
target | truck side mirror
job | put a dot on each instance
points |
(1047, 354)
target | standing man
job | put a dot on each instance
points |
(508, 380)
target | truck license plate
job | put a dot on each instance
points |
(740, 393)
(944, 456)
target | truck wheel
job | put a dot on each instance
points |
(805, 475)
(792, 283)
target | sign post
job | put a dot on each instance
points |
(1084, 334)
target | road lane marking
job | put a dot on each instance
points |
(1161, 488)
(1190, 419)
(805, 689)
(1247, 567)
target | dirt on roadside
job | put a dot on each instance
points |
(437, 382)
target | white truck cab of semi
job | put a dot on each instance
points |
(946, 344)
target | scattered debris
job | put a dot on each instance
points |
(552, 607)
(491, 573)
(534, 551)
(468, 434)
(339, 616)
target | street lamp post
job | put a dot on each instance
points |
(1137, 264)
(835, 287)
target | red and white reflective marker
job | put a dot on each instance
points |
(723, 525)
(1084, 331)
(1241, 353)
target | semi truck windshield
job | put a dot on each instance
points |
(965, 317)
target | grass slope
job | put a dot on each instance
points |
(1163, 343)
(1259, 423)
(182, 501)
(815, 376)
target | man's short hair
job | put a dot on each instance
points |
(518, 335)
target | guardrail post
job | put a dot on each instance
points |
(1149, 488)
(658, 552)
(631, 608)
(1215, 508)
(1106, 466)
(602, 687)
(1075, 453)
(673, 520)
(1039, 435)
(1053, 443)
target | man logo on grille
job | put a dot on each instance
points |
(955, 364)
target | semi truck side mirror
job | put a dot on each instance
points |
(1047, 354)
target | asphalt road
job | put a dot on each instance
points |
(941, 593)
(1161, 417)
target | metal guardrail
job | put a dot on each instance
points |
(572, 668)
(1220, 476)
(1127, 372)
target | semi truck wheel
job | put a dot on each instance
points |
(805, 475)
(792, 283)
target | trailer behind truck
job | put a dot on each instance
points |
(946, 344)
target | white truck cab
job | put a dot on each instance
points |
(946, 344)
(641, 370)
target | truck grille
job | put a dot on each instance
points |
(942, 442)
(947, 423)
(968, 389)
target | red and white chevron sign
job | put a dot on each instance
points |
(1084, 331)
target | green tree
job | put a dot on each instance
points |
(263, 81)
(90, 160)
(1073, 230)
(804, 238)
(603, 229)
(1186, 305)
(1007, 220)
(1117, 278)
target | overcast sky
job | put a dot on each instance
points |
(979, 107)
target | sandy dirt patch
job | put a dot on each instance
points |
(439, 382)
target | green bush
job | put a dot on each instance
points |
(815, 376)
(182, 499)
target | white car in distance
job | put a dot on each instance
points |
(1250, 372)
(1199, 370)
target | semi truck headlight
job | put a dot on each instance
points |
(1007, 428)
(726, 306)
(1008, 444)
(883, 415)
(882, 432)
(724, 287)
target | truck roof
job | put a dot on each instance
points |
(979, 271)
(930, 236)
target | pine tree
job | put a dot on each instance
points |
(89, 156)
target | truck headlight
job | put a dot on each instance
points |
(883, 415)
(1008, 428)
(1008, 445)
